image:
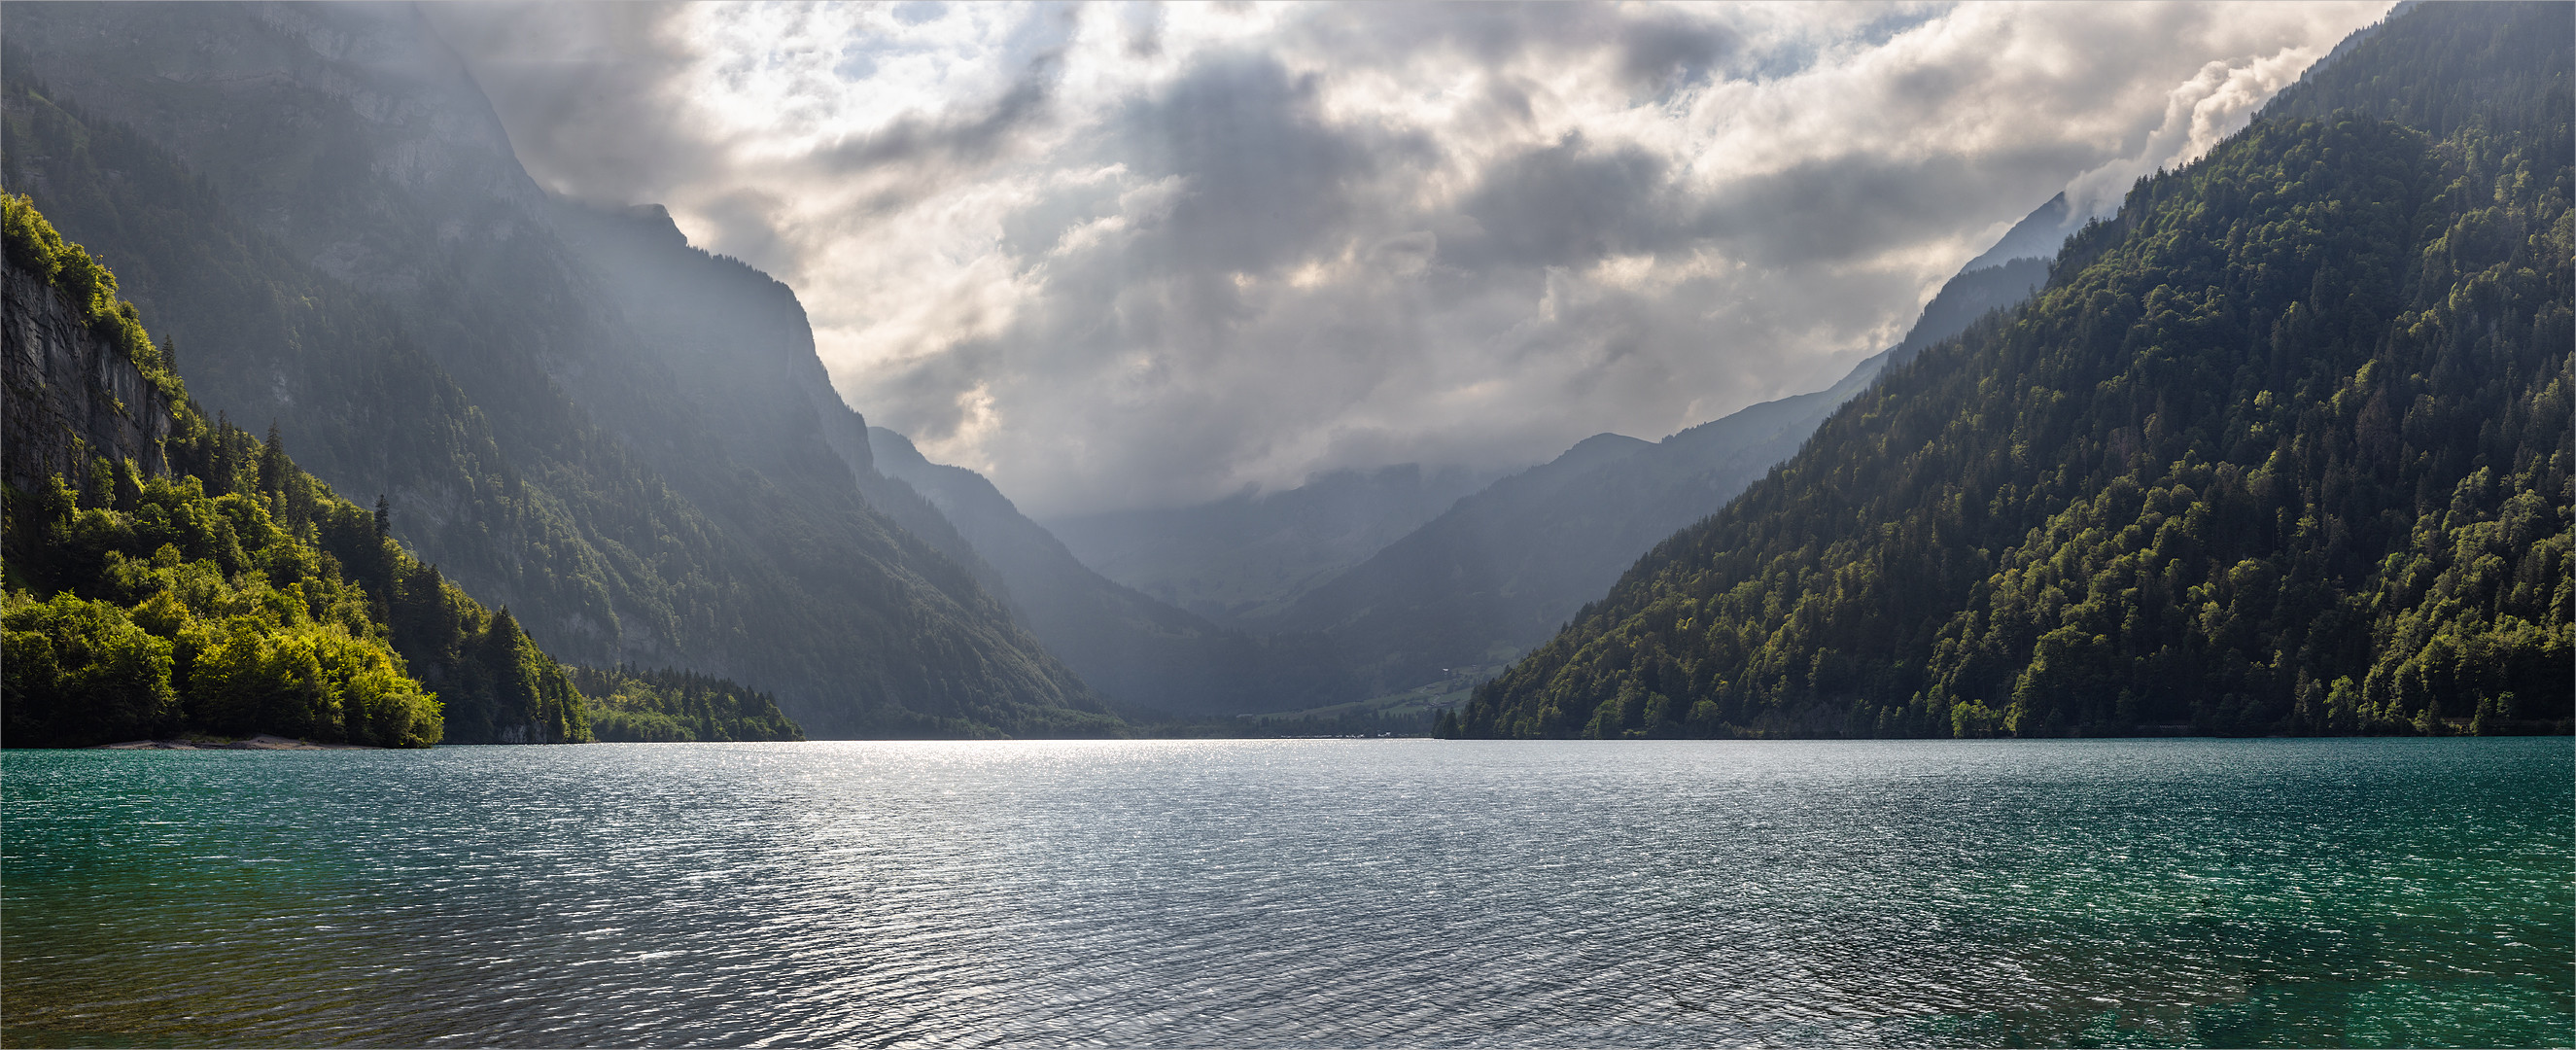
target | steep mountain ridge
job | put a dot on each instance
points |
(404, 297)
(2282, 447)
(167, 573)
(734, 338)
(2037, 236)
(738, 342)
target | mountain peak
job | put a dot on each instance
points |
(2037, 236)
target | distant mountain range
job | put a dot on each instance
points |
(1363, 584)
(1358, 584)
(1244, 559)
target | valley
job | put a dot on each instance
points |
(1288, 525)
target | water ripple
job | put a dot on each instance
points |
(1299, 893)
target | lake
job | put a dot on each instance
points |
(1296, 893)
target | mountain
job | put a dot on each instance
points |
(1241, 560)
(1133, 648)
(320, 204)
(2282, 447)
(738, 347)
(1507, 566)
(2037, 236)
(733, 342)
(166, 573)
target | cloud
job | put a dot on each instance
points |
(1130, 254)
(585, 91)
(2215, 103)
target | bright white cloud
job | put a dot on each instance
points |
(1126, 254)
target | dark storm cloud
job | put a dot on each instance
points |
(1665, 51)
(1144, 254)
(1656, 48)
(1264, 175)
(1849, 207)
(1570, 203)
(960, 142)
(585, 91)
(942, 144)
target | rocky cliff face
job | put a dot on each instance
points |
(71, 395)
(318, 203)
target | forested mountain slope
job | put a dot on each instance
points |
(2283, 447)
(1506, 567)
(321, 205)
(167, 573)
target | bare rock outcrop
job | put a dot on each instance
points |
(71, 394)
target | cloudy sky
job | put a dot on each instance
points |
(1140, 254)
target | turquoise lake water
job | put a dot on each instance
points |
(1296, 893)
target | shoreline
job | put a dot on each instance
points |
(260, 742)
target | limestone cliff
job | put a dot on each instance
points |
(215, 587)
(72, 394)
(341, 241)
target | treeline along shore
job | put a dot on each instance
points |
(172, 576)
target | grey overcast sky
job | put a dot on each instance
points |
(1137, 254)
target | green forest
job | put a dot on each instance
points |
(672, 706)
(2282, 447)
(236, 595)
(612, 524)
